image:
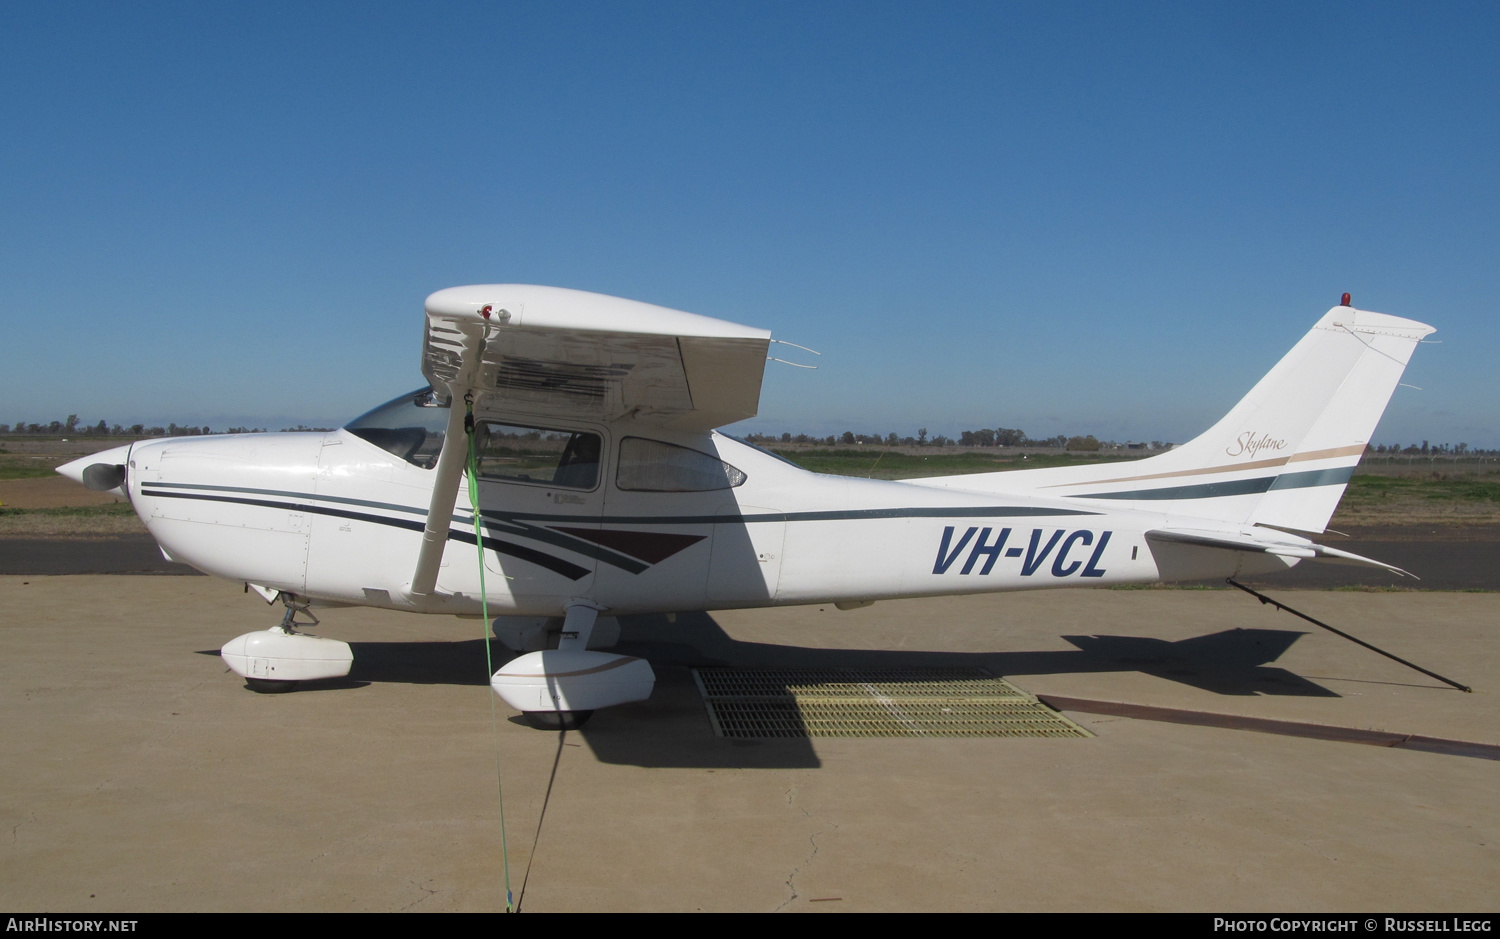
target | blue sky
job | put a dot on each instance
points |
(1082, 218)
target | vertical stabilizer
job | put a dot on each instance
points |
(1282, 456)
(1368, 353)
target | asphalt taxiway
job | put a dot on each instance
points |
(136, 774)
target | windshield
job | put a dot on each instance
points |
(411, 426)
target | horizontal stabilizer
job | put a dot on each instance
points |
(1289, 547)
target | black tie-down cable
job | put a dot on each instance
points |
(1282, 606)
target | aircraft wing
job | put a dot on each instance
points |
(1283, 545)
(548, 352)
(551, 352)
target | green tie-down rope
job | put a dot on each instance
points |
(484, 605)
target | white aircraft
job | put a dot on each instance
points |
(603, 489)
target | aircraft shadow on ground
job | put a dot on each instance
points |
(672, 728)
(1230, 662)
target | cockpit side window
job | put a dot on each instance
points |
(654, 466)
(564, 458)
(411, 427)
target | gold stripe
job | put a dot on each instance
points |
(1256, 464)
(1353, 450)
(1357, 449)
(622, 660)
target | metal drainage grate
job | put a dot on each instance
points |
(915, 702)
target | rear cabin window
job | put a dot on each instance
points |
(564, 458)
(653, 466)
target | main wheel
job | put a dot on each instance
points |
(557, 720)
(269, 685)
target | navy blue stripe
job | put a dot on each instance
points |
(521, 552)
(1234, 487)
(984, 511)
(558, 539)
(576, 545)
(290, 495)
(1328, 477)
(981, 511)
(555, 564)
(1237, 487)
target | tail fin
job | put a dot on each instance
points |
(1281, 457)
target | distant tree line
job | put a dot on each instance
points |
(984, 437)
(1441, 449)
(73, 428)
(998, 437)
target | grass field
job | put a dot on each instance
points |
(70, 521)
(1396, 499)
(1418, 494)
(1385, 492)
(879, 463)
(36, 457)
(120, 509)
(25, 467)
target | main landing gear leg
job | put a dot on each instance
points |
(560, 689)
(578, 625)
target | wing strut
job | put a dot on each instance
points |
(1338, 632)
(450, 464)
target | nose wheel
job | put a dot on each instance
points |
(275, 660)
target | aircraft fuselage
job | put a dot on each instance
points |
(335, 518)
